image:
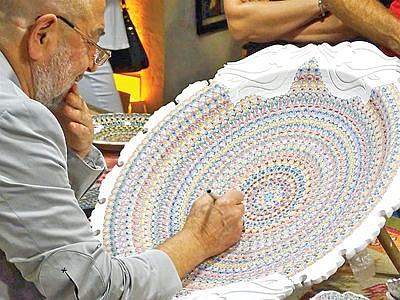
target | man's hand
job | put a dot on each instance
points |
(216, 224)
(76, 121)
(211, 227)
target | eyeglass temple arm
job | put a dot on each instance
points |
(72, 25)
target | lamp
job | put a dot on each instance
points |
(130, 84)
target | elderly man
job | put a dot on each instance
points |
(47, 161)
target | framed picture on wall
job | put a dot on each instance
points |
(210, 15)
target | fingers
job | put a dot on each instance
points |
(76, 109)
(233, 200)
(74, 99)
(76, 122)
(78, 129)
(230, 203)
(204, 200)
(212, 195)
(218, 224)
(232, 197)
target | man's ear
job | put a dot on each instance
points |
(43, 37)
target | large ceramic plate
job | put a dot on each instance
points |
(310, 135)
(113, 130)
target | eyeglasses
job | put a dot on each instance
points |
(101, 55)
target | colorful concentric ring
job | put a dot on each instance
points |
(311, 166)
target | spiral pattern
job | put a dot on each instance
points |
(311, 166)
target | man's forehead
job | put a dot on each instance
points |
(98, 7)
(95, 22)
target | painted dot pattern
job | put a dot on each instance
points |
(117, 127)
(311, 167)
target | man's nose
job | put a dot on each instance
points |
(92, 67)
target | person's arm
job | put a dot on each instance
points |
(329, 29)
(83, 173)
(370, 18)
(45, 234)
(266, 21)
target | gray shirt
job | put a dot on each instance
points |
(44, 234)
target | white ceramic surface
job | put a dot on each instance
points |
(348, 70)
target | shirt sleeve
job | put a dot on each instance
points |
(83, 173)
(45, 234)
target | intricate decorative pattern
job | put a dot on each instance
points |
(90, 198)
(311, 166)
(333, 295)
(117, 127)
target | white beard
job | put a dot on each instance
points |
(50, 81)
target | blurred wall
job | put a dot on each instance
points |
(178, 56)
(148, 18)
(190, 57)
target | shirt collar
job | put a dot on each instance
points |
(7, 71)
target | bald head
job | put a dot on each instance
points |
(38, 43)
(22, 13)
